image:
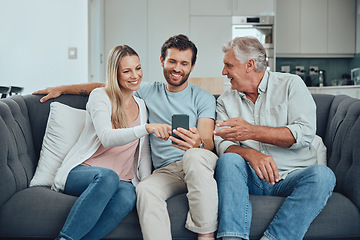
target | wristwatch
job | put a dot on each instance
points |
(202, 144)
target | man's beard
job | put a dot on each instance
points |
(175, 84)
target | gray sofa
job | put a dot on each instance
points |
(39, 212)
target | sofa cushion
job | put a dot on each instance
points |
(320, 148)
(35, 212)
(38, 114)
(43, 217)
(63, 129)
(339, 219)
(323, 104)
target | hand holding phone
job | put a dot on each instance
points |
(179, 120)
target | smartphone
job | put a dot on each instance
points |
(179, 120)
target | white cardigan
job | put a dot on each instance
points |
(98, 130)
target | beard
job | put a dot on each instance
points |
(167, 76)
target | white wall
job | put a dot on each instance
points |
(34, 40)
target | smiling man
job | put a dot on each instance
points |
(187, 166)
(176, 172)
(266, 124)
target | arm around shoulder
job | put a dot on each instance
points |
(77, 89)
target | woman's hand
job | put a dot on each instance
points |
(161, 131)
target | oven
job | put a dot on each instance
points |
(261, 27)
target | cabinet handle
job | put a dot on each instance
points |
(229, 4)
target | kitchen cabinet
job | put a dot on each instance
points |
(231, 7)
(352, 91)
(211, 7)
(211, 27)
(287, 26)
(321, 28)
(341, 26)
(254, 7)
(154, 23)
(209, 35)
(313, 26)
(163, 23)
(119, 31)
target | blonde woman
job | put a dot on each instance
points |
(112, 154)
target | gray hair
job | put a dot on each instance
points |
(246, 48)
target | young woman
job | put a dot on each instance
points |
(112, 154)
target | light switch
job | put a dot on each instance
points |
(72, 53)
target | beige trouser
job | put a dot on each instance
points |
(194, 175)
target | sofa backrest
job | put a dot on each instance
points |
(340, 115)
(22, 126)
(17, 155)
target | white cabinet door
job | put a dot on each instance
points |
(232, 7)
(121, 27)
(341, 27)
(323, 27)
(209, 34)
(253, 7)
(313, 28)
(287, 27)
(166, 18)
(211, 7)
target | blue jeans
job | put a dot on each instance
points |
(306, 191)
(103, 202)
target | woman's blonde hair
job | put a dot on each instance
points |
(112, 88)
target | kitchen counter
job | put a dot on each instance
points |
(350, 90)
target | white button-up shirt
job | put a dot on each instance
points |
(283, 101)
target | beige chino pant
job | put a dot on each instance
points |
(194, 175)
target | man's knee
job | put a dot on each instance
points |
(229, 161)
(146, 189)
(323, 177)
(231, 166)
(197, 158)
(194, 154)
(141, 188)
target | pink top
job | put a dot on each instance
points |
(120, 158)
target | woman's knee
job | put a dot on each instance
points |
(123, 201)
(126, 195)
(107, 178)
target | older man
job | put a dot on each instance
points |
(265, 126)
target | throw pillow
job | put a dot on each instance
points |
(63, 129)
(320, 148)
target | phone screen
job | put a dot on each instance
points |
(180, 120)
